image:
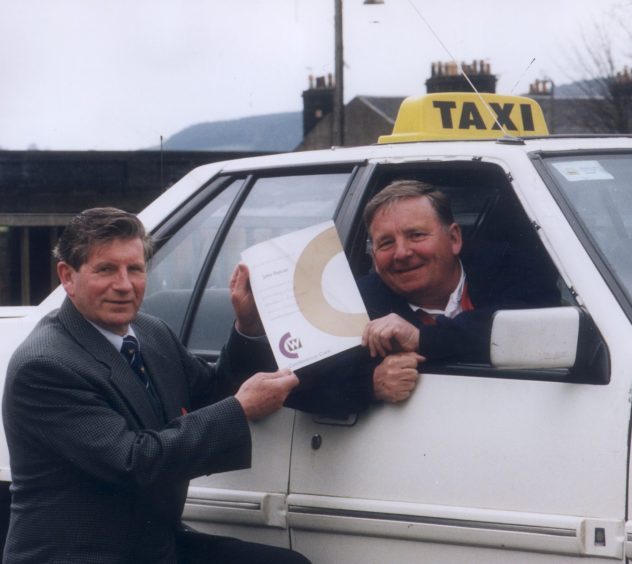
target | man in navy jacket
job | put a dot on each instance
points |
(429, 299)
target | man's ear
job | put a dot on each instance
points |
(368, 249)
(66, 275)
(456, 238)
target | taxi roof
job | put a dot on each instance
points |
(428, 149)
(466, 115)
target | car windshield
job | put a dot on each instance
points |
(599, 190)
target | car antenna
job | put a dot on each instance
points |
(162, 176)
(461, 71)
(522, 75)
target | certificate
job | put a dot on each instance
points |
(307, 299)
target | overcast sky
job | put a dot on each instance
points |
(118, 74)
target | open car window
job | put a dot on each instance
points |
(491, 216)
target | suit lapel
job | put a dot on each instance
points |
(117, 370)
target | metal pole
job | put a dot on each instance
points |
(552, 106)
(25, 266)
(338, 111)
(162, 176)
(53, 280)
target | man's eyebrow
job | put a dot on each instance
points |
(102, 263)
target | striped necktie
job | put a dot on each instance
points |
(131, 353)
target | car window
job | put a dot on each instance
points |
(176, 265)
(274, 206)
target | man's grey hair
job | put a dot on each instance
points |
(400, 190)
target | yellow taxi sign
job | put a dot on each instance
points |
(466, 115)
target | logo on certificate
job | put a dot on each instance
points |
(288, 345)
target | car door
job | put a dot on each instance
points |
(188, 287)
(480, 464)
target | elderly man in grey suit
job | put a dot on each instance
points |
(103, 444)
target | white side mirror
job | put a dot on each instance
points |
(535, 338)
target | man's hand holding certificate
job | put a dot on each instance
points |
(306, 296)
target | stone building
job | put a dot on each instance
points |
(41, 190)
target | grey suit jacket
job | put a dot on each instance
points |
(97, 477)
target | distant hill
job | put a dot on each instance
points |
(271, 132)
(592, 88)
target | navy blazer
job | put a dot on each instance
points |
(497, 276)
(97, 477)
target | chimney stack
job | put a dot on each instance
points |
(318, 101)
(445, 77)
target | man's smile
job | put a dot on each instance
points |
(407, 269)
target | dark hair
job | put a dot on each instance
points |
(403, 189)
(98, 226)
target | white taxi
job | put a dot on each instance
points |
(526, 459)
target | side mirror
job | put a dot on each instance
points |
(535, 338)
(550, 338)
